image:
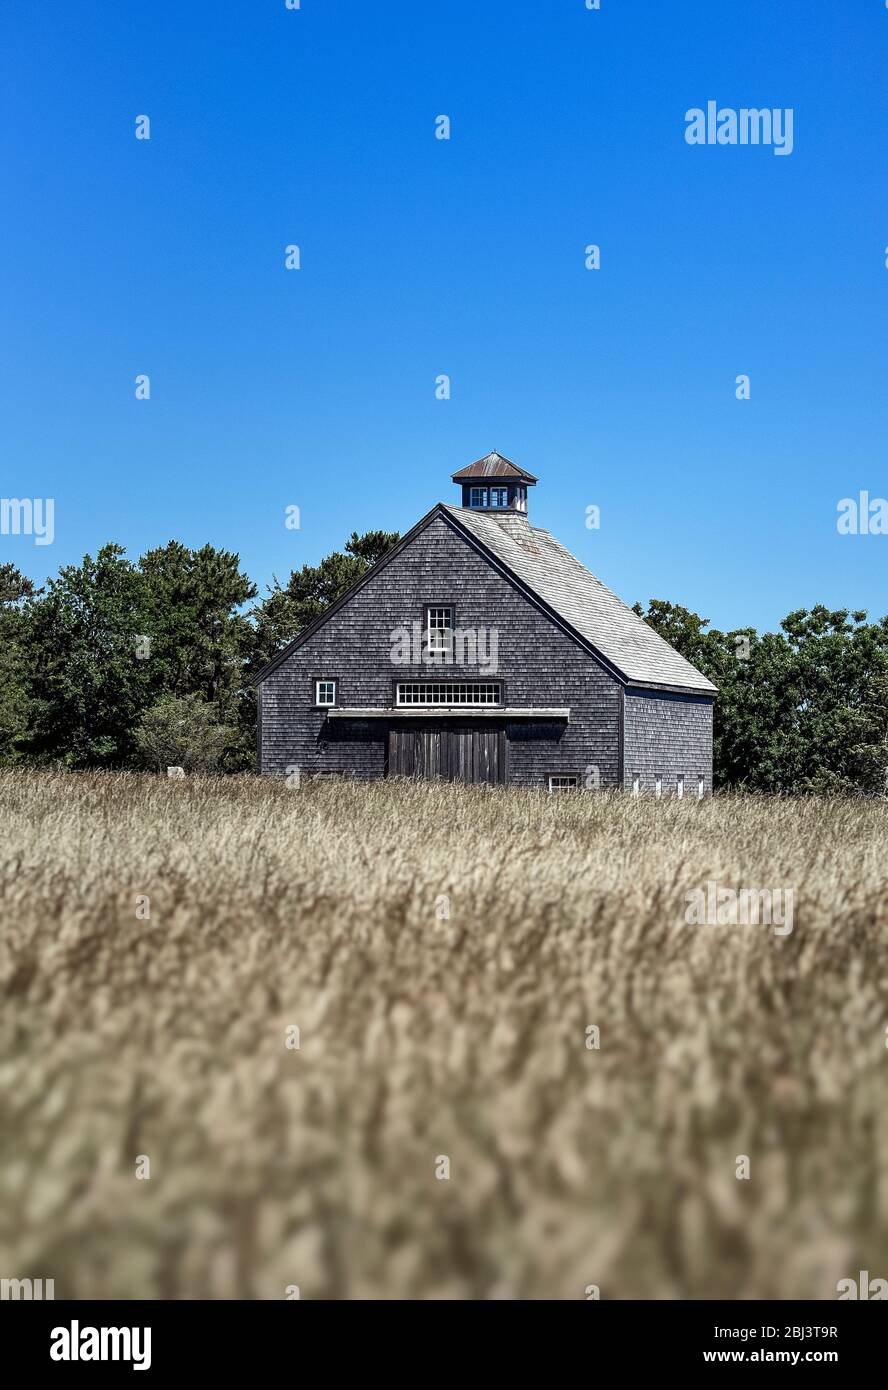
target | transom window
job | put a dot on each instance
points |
(563, 782)
(439, 626)
(325, 692)
(448, 693)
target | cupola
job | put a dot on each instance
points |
(494, 484)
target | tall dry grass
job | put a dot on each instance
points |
(423, 1036)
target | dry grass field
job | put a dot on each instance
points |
(426, 1035)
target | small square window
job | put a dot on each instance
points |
(563, 782)
(325, 693)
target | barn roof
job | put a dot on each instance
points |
(592, 609)
(493, 465)
(548, 573)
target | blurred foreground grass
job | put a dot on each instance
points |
(424, 1035)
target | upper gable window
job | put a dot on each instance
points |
(499, 497)
(439, 628)
(325, 693)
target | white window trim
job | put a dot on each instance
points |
(327, 704)
(570, 778)
(483, 494)
(445, 644)
(494, 686)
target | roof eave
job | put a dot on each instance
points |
(519, 475)
(707, 692)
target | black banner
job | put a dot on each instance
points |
(67, 1338)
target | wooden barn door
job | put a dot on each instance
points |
(428, 751)
(478, 754)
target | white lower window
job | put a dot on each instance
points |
(433, 693)
(563, 782)
(679, 787)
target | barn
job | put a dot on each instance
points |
(479, 649)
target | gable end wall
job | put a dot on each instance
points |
(537, 663)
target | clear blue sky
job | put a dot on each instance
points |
(316, 387)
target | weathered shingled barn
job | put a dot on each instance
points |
(480, 650)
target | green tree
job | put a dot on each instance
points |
(869, 751)
(837, 660)
(199, 637)
(109, 639)
(86, 685)
(15, 590)
(795, 708)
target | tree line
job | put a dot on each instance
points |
(122, 664)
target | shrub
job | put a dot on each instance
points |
(184, 733)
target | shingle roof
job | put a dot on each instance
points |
(543, 564)
(571, 592)
(493, 465)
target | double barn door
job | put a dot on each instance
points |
(468, 753)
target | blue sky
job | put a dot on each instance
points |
(316, 387)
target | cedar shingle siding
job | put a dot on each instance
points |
(667, 736)
(615, 730)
